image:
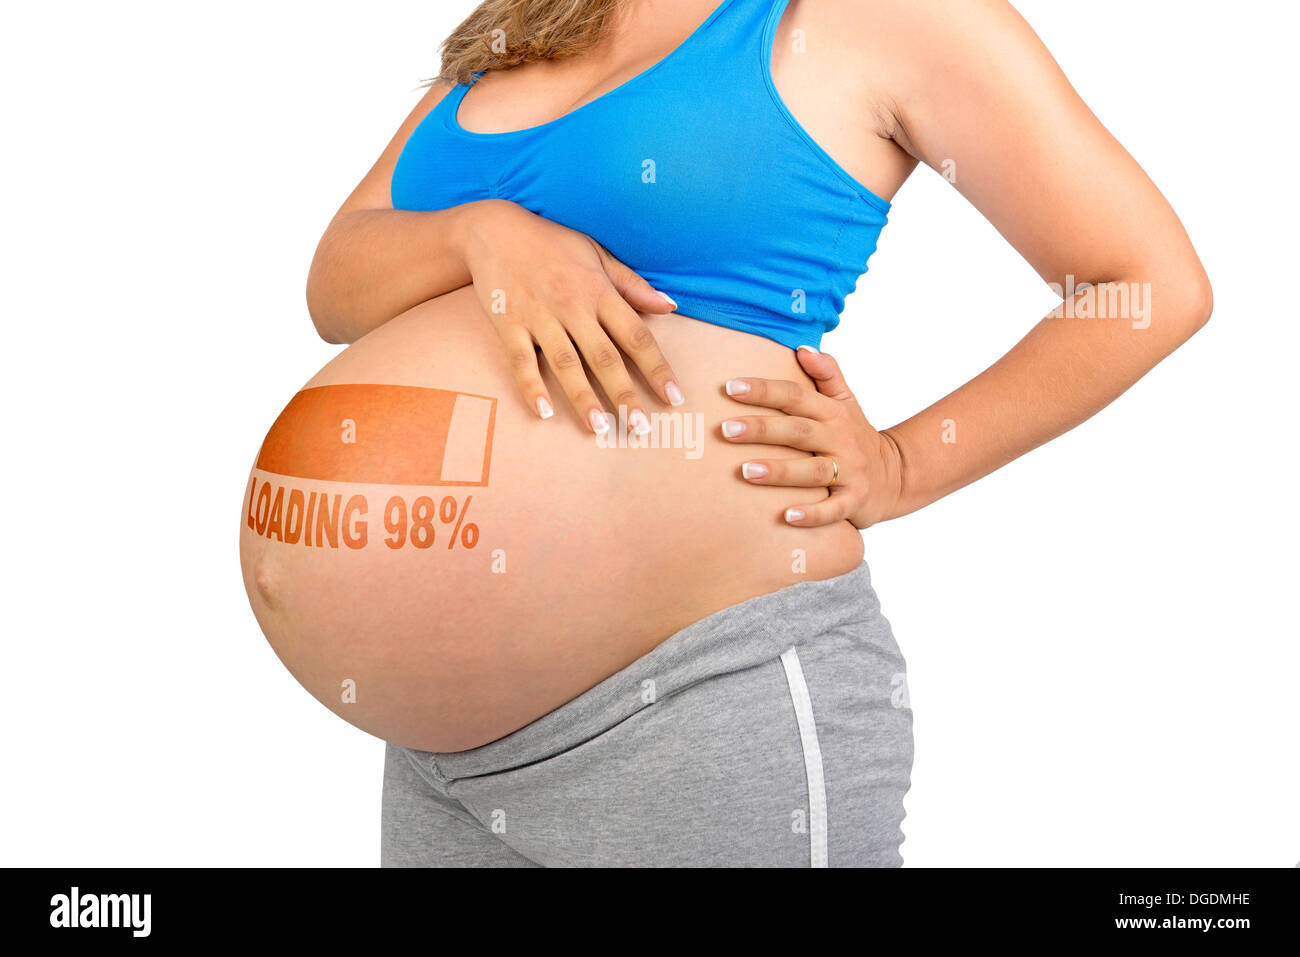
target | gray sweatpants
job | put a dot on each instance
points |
(776, 732)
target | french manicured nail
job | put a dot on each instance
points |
(737, 387)
(599, 422)
(669, 299)
(640, 424)
(793, 515)
(675, 396)
(753, 470)
(544, 408)
(808, 349)
(731, 428)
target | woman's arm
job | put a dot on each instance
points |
(374, 262)
(974, 91)
(544, 287)
(970, 90)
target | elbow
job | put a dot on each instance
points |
(1205, 304)
(320, 322)
(1182, 307)
(1197, 304)
(318, 310)
(321, 291)
(328, 336)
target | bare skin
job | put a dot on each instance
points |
(588, 556)
(964, 88)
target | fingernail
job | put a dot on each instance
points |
(669, 299)
(640, 424)
(793, 515)
(675, 396)
(599, 422)
(737, 387)
(731, 428)
(753, 470)
(544, 408)
(808, 349)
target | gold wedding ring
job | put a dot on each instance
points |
(835, 474)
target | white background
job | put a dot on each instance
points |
(1101, 638)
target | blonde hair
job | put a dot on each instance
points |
(506, 33)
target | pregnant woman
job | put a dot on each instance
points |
(573, 522)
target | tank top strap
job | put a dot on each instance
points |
(732, 39)
(741, 22)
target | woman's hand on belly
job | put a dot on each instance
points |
(861, 467)
(442, 615)
(550, 287)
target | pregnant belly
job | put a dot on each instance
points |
(439, 567)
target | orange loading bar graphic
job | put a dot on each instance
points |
(382, 435)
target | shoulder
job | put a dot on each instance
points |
(916, 14)
(903, 32)
(435, 90)
(913, 51)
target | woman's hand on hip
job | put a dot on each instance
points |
(861, 467)
(549, 287)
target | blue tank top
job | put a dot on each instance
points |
(693, 173)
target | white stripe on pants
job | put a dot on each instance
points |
(812, 756)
